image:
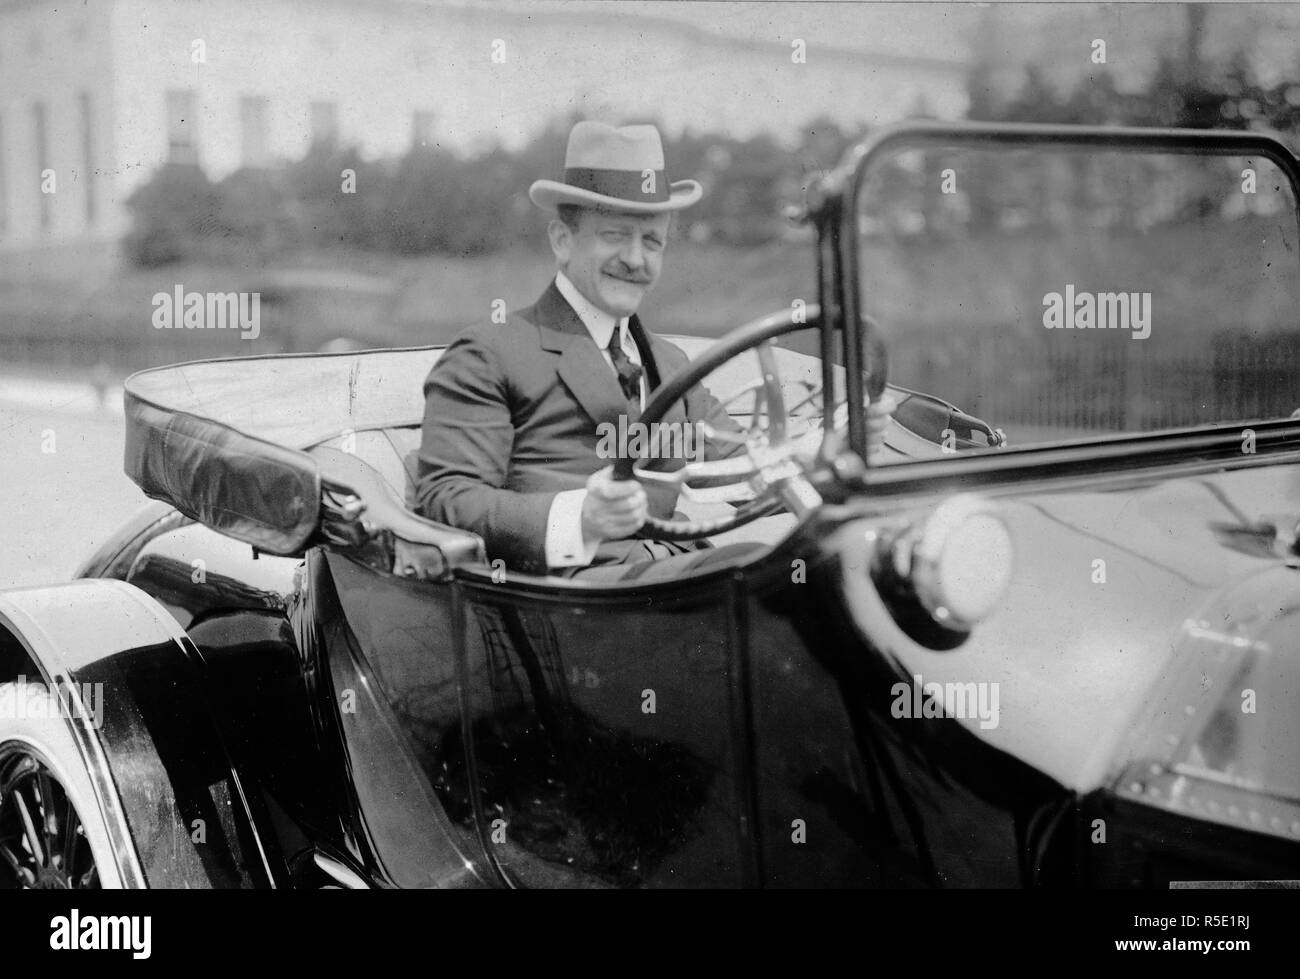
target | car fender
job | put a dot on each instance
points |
(177, 813)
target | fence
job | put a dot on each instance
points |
(1120, 385)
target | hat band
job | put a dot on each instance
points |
(626, 185)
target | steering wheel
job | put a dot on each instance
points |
(766, 475)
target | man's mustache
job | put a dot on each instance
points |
(640, 280)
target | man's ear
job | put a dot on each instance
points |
(561, 237)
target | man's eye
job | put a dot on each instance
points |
(653, 244)
(612, 235)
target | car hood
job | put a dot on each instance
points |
(1105, 588)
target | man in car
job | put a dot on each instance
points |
(510, 448)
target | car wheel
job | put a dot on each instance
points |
(52, 835)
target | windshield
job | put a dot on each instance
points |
(1060, 294)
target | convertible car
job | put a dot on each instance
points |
(1052, 648)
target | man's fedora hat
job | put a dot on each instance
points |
(621, 169)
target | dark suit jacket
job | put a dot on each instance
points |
(510, 419)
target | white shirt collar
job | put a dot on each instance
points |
(599, 323)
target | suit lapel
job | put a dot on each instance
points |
(582, 368)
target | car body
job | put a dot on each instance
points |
(279, 675)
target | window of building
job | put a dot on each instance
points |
(324, 123)
(422, 128)
(254, 129)
(88, 155)
(41, 125)
(182, 126)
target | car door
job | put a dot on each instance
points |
(606, 732)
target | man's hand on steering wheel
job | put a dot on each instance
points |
(613, 508)
(771, 473)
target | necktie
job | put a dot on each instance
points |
(629, 374)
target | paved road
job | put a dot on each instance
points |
(61, 479)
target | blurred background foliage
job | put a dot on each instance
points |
(431, 239)
(433, 201)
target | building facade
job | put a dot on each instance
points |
(95, 97)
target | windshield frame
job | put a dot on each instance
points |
(841, 196)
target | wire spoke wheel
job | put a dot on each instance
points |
(54, 829)
(43, 843)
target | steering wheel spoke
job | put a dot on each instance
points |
(728, 493)
(712, 472)
(767, 465)
(773, 397)
(758, 412)
(718, 435)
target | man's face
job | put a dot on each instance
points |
(613, 259)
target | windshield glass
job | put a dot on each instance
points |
(1059, 294)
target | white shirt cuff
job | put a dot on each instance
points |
(565, 547)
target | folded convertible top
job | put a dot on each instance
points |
(223, 440)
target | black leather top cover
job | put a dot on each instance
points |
(223, 440)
